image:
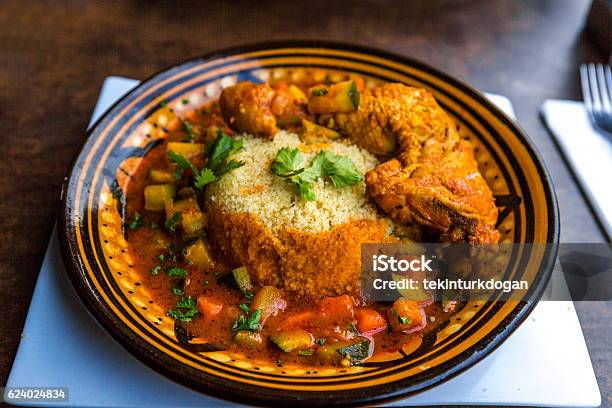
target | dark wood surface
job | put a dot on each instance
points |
(54, 57)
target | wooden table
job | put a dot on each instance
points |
(55, 56)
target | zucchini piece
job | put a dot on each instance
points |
(270, 301)
(314, 133)
(342, 97)
(199, 255)
(344, 352)
(157, 195)
(243, 280)
(290, 340)
(186, 149)
(161, 176)
(248, 338)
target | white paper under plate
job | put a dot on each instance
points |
(544, 363)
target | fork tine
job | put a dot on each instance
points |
(586, 91)
(603, 89)
(594, 88)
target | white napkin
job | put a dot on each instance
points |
(588, 152)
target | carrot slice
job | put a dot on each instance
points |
(370, 321)
(208, 306)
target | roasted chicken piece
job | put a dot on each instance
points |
(260, 109)
(433, 179)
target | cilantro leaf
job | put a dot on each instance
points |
(340, 169)
(155, 270)
(172, 222)
(287, 163)
(176, 271)
(177, 292)
(250, 323)
(184, 310)
(182, 164)
(136, 222)
(205, 177)
(221, 149)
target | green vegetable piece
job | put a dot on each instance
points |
(241, 276)
(157, 195)
(248, 338)
(290, 340)
(357, 351)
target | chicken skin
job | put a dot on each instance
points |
(259, 109)
(433, 180)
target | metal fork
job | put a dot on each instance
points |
(596, 81)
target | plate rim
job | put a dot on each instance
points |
(235, 391)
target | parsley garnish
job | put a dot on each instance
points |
(320, 342)
(137, 221)
(319, 92)
(176, 271)
(185, 101)
(188, 129)
(401, 319)
(250, 323)
(218, 153)
(182, 164)
(172, 222)
(155, 270)
(288, 164)
(184, 310)
(177, 292)
(245, 308)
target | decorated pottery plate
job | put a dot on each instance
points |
(214, 219)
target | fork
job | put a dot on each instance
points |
(596, 81)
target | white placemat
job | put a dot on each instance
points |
(588, 151)
(544, 363)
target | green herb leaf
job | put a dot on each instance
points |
(357, 351)
(205, 177)
(155, 270)
(185, 101)
(250, 323)
(319, 91)
(244, 308)
(220, 150)
(287, 163)
(340, 169)
(306, 352)
(320, 342)
(177, 292)
(176, 271)
(184, 310)
(173, 222)
(136, 222)
(182, 164)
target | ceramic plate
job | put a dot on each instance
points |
(105, 280)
